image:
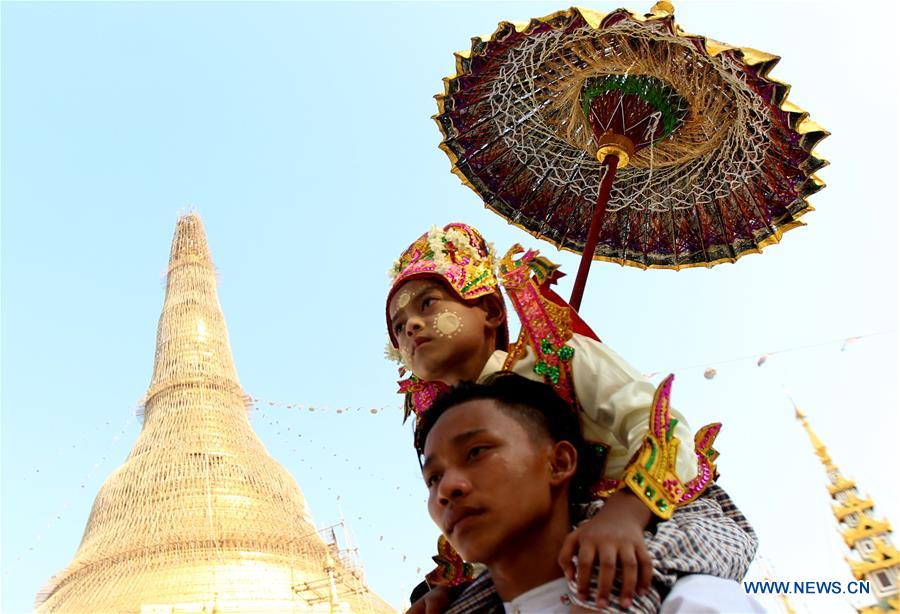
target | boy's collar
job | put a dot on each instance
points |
(420, 394)
(494, 363)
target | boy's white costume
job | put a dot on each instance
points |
(614, 401)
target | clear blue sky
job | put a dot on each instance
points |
(302, 135)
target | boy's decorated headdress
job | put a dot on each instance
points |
(456, 254)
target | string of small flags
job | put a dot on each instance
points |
(710, 371)
(61, 512)
(68, 505)
(324, 455)
(262, 404)
(333, 457)
(259, 403)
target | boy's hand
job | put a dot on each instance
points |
(434, 601)
(615, 535)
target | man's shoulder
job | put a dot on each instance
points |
(479, 596)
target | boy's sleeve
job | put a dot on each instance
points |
(617, 399)
(652, 450)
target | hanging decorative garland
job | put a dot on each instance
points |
(710, 372)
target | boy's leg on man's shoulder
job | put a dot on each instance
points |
(701, 553)
(694, 594)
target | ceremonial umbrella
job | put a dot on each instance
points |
(623, 138)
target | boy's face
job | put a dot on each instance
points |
(440, 338)
(489, 481)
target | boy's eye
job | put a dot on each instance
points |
(431, 480)
(398, 328)
(428, 302)
(476, 452)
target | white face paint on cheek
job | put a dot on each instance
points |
(447, 323)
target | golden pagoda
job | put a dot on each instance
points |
(877, 561)
(199, 518)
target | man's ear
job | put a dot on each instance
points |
(563, 462)
(493, 306)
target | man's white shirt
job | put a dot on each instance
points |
(549, 598)
(694, 594)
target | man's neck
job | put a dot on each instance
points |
(532, 560)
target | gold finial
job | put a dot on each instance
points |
(615, 145)
(817, 444)
(662, 9)
(799, 415)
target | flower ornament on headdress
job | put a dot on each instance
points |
(450, 247)
(395, 268)
(457, 254)
(393, 354)
(398, 356)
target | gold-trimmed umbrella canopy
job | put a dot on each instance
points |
(713, 161)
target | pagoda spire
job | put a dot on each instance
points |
(876, 559)
(199, 517)
(192, 340)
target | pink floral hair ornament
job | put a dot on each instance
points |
(458, 256)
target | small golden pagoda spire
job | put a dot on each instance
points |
(877, 560)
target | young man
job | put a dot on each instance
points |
(501, 463)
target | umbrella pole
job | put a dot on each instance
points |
(587, 254)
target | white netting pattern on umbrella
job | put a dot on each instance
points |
(535, 109)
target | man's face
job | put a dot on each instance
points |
(488, 481)
(438, 335)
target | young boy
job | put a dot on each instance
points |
(447, 323)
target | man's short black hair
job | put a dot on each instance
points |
(537, 407)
